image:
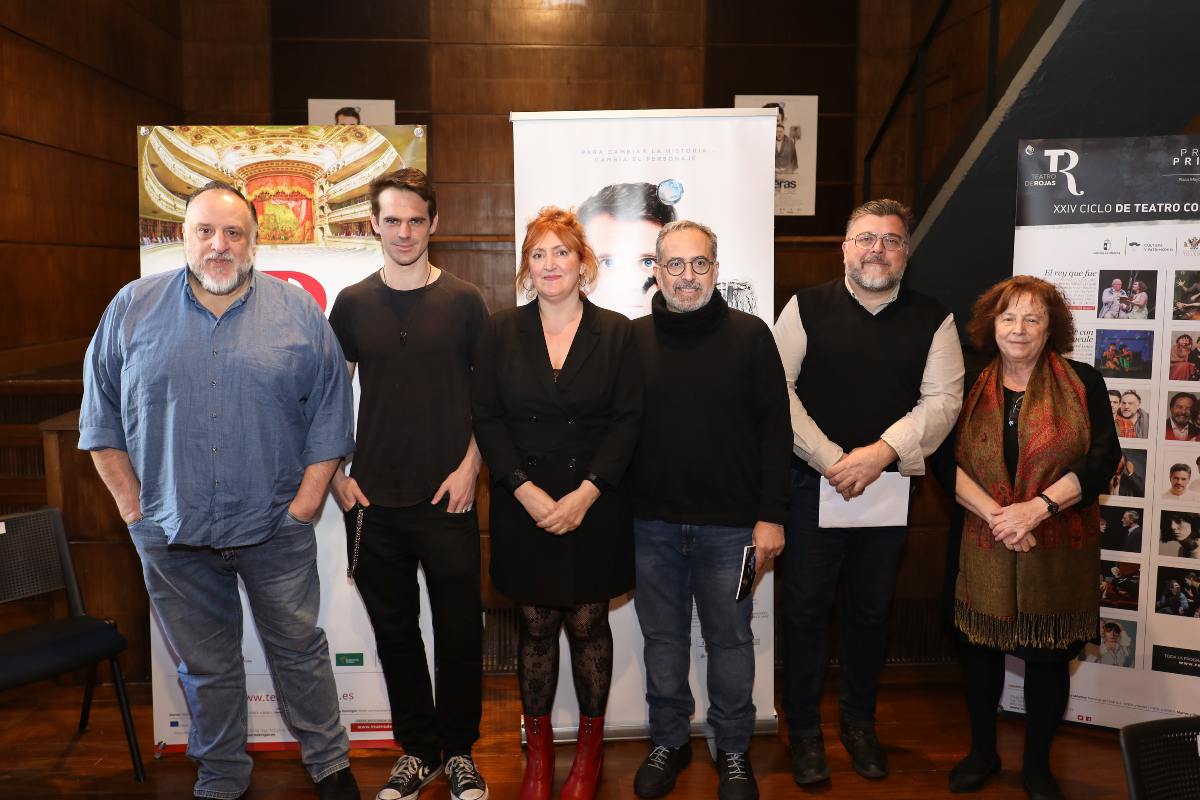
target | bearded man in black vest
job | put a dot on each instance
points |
(875, 376)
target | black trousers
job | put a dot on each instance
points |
(813, 559)
(446, 546)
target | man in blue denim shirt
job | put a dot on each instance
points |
(216, 406)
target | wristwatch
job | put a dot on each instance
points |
(1051, 506)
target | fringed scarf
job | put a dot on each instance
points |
(1046, 598)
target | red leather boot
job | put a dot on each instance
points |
(539, 759)
(589, 760)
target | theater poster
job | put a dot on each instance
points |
(627, 174)
(795, 149)
(309, 185)
(1115, 223)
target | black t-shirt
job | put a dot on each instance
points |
(415, 350)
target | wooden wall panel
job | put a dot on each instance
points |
(110, 37)
(472, 148)
(226, 67)
(365, 19)
(600, 22)
(39, 277)
(881, 69)
(53, 196)
(488, 265)
(82, 98)
(387, 69)
(75, 79)
(501, 78)
(781, 22)
(472, 209)
(789, 48)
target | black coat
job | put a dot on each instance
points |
(558, 432)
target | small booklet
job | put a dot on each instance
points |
(746, 584)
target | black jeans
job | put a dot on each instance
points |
(812, 560)
(394, 542)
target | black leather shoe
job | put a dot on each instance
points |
(339, 785)
(970, 774)
(1042, 787)
(866, 753)
(808, 760)
(662, 765)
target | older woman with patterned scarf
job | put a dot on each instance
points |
(1036, 445)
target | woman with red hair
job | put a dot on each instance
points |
(1036, 445)
(558, 407)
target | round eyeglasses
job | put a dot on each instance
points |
(866, 241)
(700, 265)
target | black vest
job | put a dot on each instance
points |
(862, 371)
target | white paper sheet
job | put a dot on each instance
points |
(884, 503)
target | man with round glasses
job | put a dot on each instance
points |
(875, 377)
(710, 477)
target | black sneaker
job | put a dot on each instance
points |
(409, 776)
(808, 760)
(656, 776)
(735, 776)
(465, 781)
(339, 785)
(866, 753)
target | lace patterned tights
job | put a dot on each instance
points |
(591, 644)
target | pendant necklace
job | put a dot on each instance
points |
(428, 275)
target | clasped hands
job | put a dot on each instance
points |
(1013, 525)
(855, 471)
(557, 516)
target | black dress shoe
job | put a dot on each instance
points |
(970, 774)
(1042, 787)
(808, 760)
(866, 753)
(339, 785)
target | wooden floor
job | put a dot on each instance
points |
(921, 721)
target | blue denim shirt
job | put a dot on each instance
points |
(220, 417)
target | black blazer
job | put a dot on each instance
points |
(559, 432)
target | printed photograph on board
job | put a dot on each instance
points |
(1130, 479)
(1120, 582)
(795, 150)
(1183, 356)
(1182, 423)
(1179, 534)
(1117, 646)
(1185, 298)
(1178, 483)
(1131, 411)
(1124, 353)
(1127, 294)
(1177, 592)
(1121, 528)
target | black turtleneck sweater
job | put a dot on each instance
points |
(716, 433)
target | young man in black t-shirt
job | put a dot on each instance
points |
(409, 498)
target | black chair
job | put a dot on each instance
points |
(34, 559)
(1162, 759)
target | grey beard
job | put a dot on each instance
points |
(883, 283)
(683, 308)
(218, 289)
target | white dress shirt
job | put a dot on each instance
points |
(915, 435)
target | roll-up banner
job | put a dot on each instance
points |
(1115, 223)
(628, 173)
(309, 185)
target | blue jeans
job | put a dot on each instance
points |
(194, 591)
(808, 571)
(676, 563)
